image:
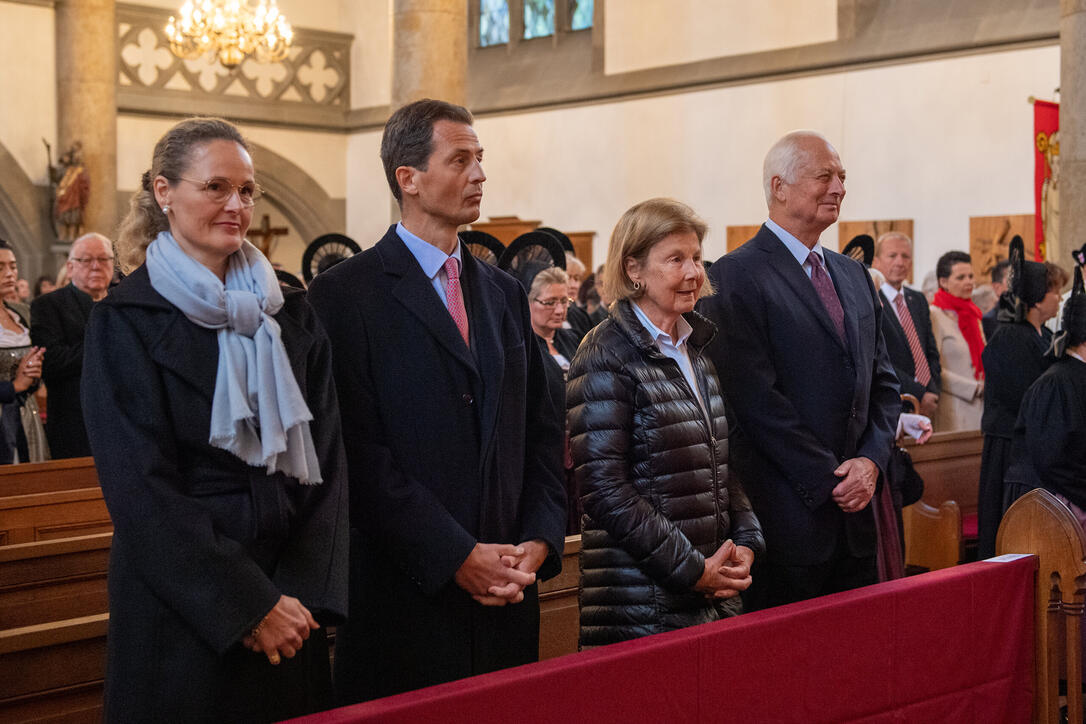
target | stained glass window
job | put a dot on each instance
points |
(493, 22)
(580, 14)
(538, 18)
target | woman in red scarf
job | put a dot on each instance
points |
(955, 321)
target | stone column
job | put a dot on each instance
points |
(86, 46)
(1072, 183)
(429, 51)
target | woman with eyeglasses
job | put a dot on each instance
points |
(549, 303)
(21, 436)
(208, 396)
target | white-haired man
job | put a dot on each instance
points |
(801, 357)
(57, 322)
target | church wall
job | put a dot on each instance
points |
(28, 58)
(935, 141)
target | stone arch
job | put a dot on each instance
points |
(23, 216)
(297, 195)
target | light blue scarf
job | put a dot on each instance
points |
(257, 413)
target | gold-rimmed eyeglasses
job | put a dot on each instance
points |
(219, 190)
(549, 303)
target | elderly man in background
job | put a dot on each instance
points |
(907, 332)
(58, 321)
(803, 363)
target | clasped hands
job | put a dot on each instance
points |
(854, 492)
(283, 631)
(496, 574)
(29, 369)
(727, 572)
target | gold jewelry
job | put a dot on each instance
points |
(255, 632)
(273, 658)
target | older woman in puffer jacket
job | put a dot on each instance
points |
(668, 533)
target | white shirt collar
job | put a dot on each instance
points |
(429, 257)
(890, 292)
(798, 248)
(682, 328)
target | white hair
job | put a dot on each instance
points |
(785, 158)
(88, 237)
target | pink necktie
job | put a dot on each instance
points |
(454, 299)
(824, 286)
(923, 372)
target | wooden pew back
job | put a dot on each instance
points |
(1040, 524)
(47, 477)
(53, 580)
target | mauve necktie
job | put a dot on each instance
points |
(454, 298)
(824, 286)
(923, 372)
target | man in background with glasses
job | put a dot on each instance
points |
(57, 322)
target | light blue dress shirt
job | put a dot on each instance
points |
(797, 247)
(674, 349)
(431, 259)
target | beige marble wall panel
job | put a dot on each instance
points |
(937, 142)
(28, 99)
(657, 33)
(320, 155)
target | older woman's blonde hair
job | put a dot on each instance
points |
(548, 276)
(642, 227)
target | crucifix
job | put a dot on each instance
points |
(263, 236)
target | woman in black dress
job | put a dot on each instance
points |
(1048, 449)
(1013, 358)
(212, 417)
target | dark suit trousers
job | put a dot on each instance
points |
(776, 584)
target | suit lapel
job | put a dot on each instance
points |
(785, 265)
(846, 292)
(413, 290)
(189, 351)
(485, 318)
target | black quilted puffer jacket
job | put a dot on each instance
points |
(655, 483)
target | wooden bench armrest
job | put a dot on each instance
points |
(933, 536)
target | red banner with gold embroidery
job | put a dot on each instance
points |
(1046, 175)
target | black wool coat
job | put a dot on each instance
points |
(658, 493)
(58, 323)
(446, 447)
(204, 544)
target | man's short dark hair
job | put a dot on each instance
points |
(999, 271)
(409, 133)
(947, 261)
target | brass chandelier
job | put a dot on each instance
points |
(230, 30)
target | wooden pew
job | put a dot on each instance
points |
(53, 671)
(55, 499)
(53, 580)
(949, 463)
(559, 615)
(1040, 524)
(47, 477)
(51, 515)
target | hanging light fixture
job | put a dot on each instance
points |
(230, 30)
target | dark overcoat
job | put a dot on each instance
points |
(446, 447)
(804, 400)
(58, 323)
(203, 544)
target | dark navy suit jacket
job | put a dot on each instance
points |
(804, 400)
(897, 344)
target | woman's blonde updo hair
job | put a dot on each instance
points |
(641, 228)
(173, 151)
(550, 275)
